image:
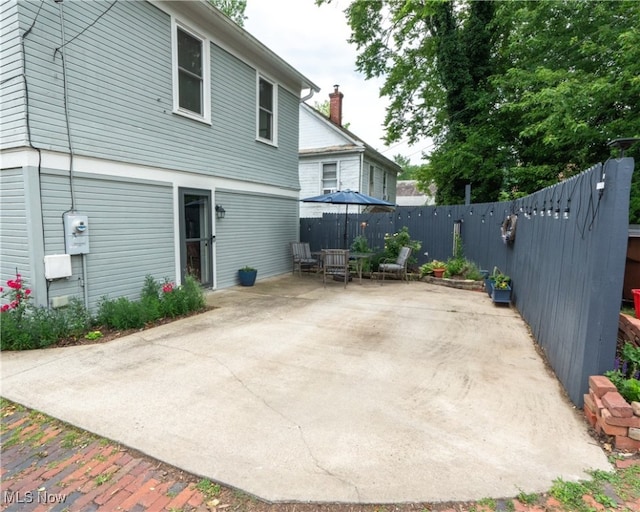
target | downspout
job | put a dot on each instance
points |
(308, 96)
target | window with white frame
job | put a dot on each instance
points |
(371, 180)
(191, 82)
(384, 185)
(329, 178)
(267, 104)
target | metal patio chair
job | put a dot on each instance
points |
(397, 266)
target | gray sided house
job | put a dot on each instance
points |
(332, 158)
(127, 129)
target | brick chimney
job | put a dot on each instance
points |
(335, 106)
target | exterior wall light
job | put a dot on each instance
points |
(220, 211)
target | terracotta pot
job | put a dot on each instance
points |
(439, 272)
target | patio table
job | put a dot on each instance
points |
(360, 258)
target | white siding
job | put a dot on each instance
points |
(311, 181)
(316, 134)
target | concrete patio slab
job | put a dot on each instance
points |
(293, 392)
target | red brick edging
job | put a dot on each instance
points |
(607, 411)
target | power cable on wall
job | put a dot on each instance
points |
(28, 125)
(87, 27)
(66, 105)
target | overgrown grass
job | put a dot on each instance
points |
(625, 484)
(209, 489)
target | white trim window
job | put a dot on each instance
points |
(329, 177)
(267, 108)
(191, 77)
(385, 194)
(371, 179)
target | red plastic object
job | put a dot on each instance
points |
(636, 301)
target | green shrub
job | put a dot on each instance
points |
(194, 295)
(360, 244)
(40, 327)
(150, 289)
(13, 335)
(626, 374)
(455, 267)
(428, 267)
(121, 313)
(23, 326)
(393, 244)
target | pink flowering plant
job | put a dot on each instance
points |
(24, 325)
(16, 295)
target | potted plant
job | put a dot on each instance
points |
(247, 275)
(439, 268)
(488, 284)
(435, 267)
(501, 288)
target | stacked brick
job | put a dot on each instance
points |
(606, 411)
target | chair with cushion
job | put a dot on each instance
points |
(335, 262)
(397, 266)
(302, 258)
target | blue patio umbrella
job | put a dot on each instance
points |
(348, 197)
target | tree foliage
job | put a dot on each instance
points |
(234, 9)
(409, 170)
(516, 95)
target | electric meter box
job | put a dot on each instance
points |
(76, 233)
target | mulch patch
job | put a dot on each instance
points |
(109, 333)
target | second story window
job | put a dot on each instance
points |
(266, 110)
(384, 186)
(191, 74)
(329, 178)
(371, 180)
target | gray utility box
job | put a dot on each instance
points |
(76, 233)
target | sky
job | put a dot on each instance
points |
(314, 41)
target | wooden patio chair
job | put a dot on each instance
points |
(302, 258)
(397, 266)
(335, 262)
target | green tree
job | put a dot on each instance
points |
(572, 84)
(516, 95)
(409, 170)
(234, 9)
(436, 58)
(323, 107)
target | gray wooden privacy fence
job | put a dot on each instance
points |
(566, 263)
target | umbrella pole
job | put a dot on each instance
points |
(346, 219)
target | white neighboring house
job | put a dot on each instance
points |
(408, 194)
(332, 158)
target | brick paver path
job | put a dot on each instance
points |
(47, 465)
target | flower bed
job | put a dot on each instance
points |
(607, 411)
